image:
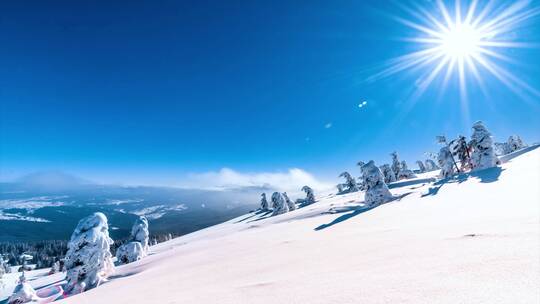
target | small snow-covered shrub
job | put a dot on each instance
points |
(130, 252)
(279, 202)
(23, 293)
(88, 261)
(404, 172)
(290, 204)
(483, 155)
(264, 202)
(376, 189)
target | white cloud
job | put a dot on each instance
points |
(291, 180)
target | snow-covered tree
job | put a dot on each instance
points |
(23, 293)
(264, 202)
(483, 155)
(460, 148)
(2, 270)
(350, 182)
(55, 267)
(279, 202)
(515, 143)
(310, 195)
(89, 261)
(376, 189)
(130, 252)
(388, 174)
(501, 148)
(396, 164)
(421, 166)
(361, 185)
(140, 233)
(431, 165)
(405, 173)
(446, 162)
(137, 246)
(4, 265)
(290, 204)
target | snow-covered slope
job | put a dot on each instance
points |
(473, 239)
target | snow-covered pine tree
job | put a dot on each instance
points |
(264, 202)
(446, 162)
(396, 164)
(279, 202)
(388, 173)
(431, 165)
(140, 233)
(515, 143)
(405, 173)
(2, 270)
(290, 204)
(376, 189)
(361, 185)
(137, 246)
(350, 182)
(421, 166)
(483, 155)
(88, 261)
(310, 195)
(461, 150)
(501, 148)
(23, 292)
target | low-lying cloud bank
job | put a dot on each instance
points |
(291, 180)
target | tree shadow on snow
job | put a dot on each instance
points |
(489, 175)
(354, 211)
(258, 212)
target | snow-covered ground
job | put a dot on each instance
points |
(472, 239)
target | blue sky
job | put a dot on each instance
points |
(150, 91)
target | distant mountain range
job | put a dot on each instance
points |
(48, 205)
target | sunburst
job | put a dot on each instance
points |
(469, 41)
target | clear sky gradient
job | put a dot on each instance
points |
(147, 91)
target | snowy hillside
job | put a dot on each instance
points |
(472, 239)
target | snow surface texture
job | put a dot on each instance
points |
(88, 260)
(473, 238)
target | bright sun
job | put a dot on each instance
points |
(460, 42)
(467, 41)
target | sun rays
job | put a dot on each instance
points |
(466, 41)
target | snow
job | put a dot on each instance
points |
(474, 238)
